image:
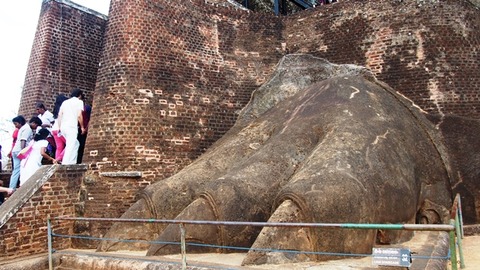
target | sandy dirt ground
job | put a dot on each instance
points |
(471, 252)
(470, 246)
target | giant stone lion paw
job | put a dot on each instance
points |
(319, 143)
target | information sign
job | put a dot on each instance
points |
(391, 257)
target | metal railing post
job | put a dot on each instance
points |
(453, 249)
(183, 246)
(460, 216)
(49, 240)
(459, 240)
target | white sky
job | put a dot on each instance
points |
(18, 23)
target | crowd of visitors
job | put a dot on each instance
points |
(48, 138)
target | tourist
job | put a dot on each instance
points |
(35, 124)
(4, 190)
(57, 135)
(82, 137)
(33, 161)
(45, 115)
(69, 117)
(9, 191)
(24, 137)
(14, 140)
(2, 197)
(47, 122)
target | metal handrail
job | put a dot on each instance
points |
(408, 227)
(455, 229)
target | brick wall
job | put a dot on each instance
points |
(105, 196)
(170, 83)
(25, 232)
(174, 74)
(65, 54)
(426, 50)
(172, 78)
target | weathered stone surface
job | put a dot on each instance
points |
(330, 141)
(463, 144)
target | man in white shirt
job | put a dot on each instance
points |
(69, 117)
(45, 115)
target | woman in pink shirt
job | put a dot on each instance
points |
(57, 136)
(14, 137)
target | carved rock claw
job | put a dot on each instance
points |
(318, 143)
